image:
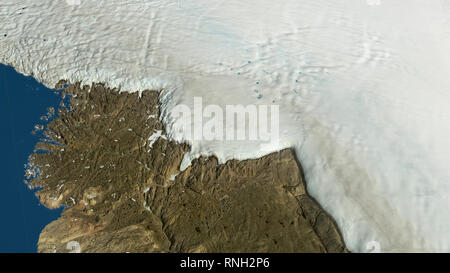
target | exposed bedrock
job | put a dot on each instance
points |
(124, 196)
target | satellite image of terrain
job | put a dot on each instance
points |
(211, 126)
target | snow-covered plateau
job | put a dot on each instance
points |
(363, 88)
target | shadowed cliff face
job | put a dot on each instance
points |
(124, 194)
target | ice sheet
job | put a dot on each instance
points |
(362, 85)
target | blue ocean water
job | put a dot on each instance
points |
(22, 102)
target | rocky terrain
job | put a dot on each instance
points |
(123, 191)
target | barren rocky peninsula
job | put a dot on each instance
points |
(123, 192)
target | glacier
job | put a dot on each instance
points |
(363, 88)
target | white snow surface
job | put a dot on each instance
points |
(363, 88)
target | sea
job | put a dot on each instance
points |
(23, 101)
